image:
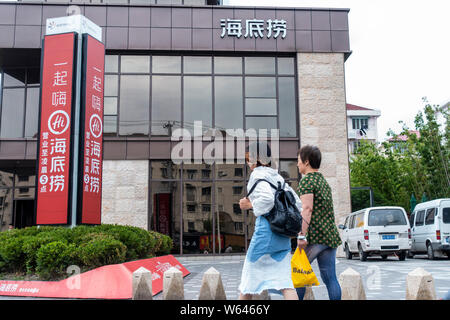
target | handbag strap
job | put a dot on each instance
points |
(258, 181)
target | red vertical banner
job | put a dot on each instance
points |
(162, 209)
(91, 132)
(54, 143)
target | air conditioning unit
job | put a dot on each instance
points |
(352, 134)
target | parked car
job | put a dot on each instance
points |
(377, 231)
(430, 223)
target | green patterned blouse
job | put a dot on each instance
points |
(322, 228)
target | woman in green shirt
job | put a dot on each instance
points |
(319, 236)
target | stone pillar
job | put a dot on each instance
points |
(125, 192)
(212, 286)
(323, 121)
(352, 285)
(173, 285)
(142, 284)
(309, 294)
(420, 285)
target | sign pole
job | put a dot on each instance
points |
(76, 135)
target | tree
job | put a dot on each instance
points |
(414, 166)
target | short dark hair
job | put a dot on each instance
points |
(312, 154)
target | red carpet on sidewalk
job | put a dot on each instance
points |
(107, 282)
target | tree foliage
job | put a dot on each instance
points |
(397, 170)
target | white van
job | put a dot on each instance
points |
(430, 223)
(377, 231)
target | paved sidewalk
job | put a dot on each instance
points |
(383, 280)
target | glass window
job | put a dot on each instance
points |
(261, 107)
(165, 214)
(446, 215)
(135, 64)
(386, 217)
(287, 107)
(420, 218)
(260, 87)
(12, 113)
(166, 104)
(288, 169)
(228, 65)
(14, 78)
(165, 169)
(32, 113)
(228, 107)
(258, 123)
(33, 76)
(111, 63)
(109, 124)
(198, 194)
(411, 219)
(134, 105)
(352, 222)
(197, 65)
(166, 64)
(111, 85)
(260, 65)
(197, 102)
(359, 220)
(430, 216)
(229, 214)
(229, 170)
(110, 106)
(286, 66)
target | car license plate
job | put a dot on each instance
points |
(389, 237)
(447, 239)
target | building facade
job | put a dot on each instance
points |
(166, 66)
(362, 124)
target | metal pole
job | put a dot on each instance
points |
(76, 134)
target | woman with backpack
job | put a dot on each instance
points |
(267, 264)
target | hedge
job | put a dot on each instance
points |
(48, 251)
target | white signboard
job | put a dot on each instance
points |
(253, 28)
(76, 23)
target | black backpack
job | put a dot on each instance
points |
(284, 218)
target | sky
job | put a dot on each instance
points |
(400, 53)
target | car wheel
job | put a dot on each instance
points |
(430, 252)
(402, 256)
(348, 254)
(384, 256)
(362, 255)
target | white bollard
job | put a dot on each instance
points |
(173, 286)
(212, 286)
(351, 285)
(309, 294)
(142, 284)
(420, 285)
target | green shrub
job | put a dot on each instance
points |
(49, 250)
(11, 253)
(31, 245)
(101, 250)
(136, 240)
(52, 259)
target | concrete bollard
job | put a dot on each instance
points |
(420, 285)
(262, 296)
(142, 284)
(173, 285)
(212, 286)
(309, 294)
(351, 285)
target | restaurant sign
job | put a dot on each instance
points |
(257, 28)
